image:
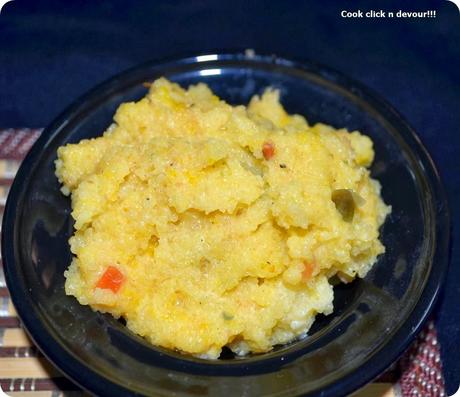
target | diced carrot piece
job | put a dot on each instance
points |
(268, 150)
(111, 279)
(308, 270)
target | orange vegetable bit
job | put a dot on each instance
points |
(308, 270)
(112, 279)
(268, 150)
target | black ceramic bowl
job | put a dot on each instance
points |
(374, 320)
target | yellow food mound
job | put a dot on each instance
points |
(223, 224)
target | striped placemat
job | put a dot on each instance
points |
(25, 372)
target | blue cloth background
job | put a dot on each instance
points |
(53, 51)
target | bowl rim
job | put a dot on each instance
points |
(96, 383)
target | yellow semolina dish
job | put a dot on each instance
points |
(206, 225)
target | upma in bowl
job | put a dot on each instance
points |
(207, 225)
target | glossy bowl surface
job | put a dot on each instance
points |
(375, 318)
